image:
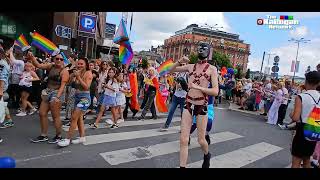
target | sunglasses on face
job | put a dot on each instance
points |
(59, 59)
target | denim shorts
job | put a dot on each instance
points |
(109, 101)
(49, 95)
(82, 101)
(100, 99)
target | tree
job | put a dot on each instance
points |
(193, 58)
(145, 63)
(248, 74)
(239, 75)
(221, 60)
(116, 60)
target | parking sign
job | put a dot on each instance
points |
(87, 23)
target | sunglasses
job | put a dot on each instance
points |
(59, 59)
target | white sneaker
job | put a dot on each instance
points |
(32, 111)
(109, 121)
(21, 114)
(64, 143)
(120, 121)
(79, 140)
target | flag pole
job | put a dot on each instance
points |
(131, 24)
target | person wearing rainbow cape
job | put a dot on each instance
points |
(201, 75)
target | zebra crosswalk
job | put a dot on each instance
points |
(129, 154)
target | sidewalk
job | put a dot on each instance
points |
(235, 107)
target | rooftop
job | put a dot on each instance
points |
(195, 29)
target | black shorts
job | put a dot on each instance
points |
(301, 147)
(196, 109)
(26, 89)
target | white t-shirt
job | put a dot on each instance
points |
(17, 67)
(109, 92)
(308, 103)
(26, 79)
(248, 87)
(285, 92)
(120, 96)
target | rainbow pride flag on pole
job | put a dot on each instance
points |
(121, 38)
(44, 44)
(22, 43)
(165, 67)
(125, 52)
(121, 34)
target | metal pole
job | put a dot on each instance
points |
(264, 53)
(295, 63)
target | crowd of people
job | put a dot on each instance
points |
(84, 87)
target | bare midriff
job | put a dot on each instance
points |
(199, 78)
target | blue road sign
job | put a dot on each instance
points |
(87, 23)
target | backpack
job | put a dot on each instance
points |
(311, 129)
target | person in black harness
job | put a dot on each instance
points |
(200, 75)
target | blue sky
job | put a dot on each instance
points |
(152, 28)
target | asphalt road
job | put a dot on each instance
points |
(238, 140)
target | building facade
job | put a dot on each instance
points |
(185, 41)
(63, 28)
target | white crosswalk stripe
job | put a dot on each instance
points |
(240, 157)
(139, 153)
(235, 159)
(104, 138)
(131, 123)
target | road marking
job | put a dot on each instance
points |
(220, 108)
(139, 153)
(104, 138)
(42, 156)
(129, 123)
(240, 157)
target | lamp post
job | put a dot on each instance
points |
(269, 54)
(298, 41)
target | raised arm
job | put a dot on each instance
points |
(36, 63)
(177, 68)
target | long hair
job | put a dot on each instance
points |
(114, 77)
(86, 61)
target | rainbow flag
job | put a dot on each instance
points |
(22, 43)
(165, 67)
(134, 90)
(44, 44)
(121, 34)
(160, 103)
(125, 52)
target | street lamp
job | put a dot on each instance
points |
(269, 54)
(298, 41)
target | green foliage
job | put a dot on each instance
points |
(248, 74)
(193, 58)
(145, 63)
(239, 75)
(221, 60)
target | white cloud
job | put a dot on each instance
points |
(309, 55)
(254, 64)
(152, 28)
(299, 32)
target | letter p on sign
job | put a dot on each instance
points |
(88, 23)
